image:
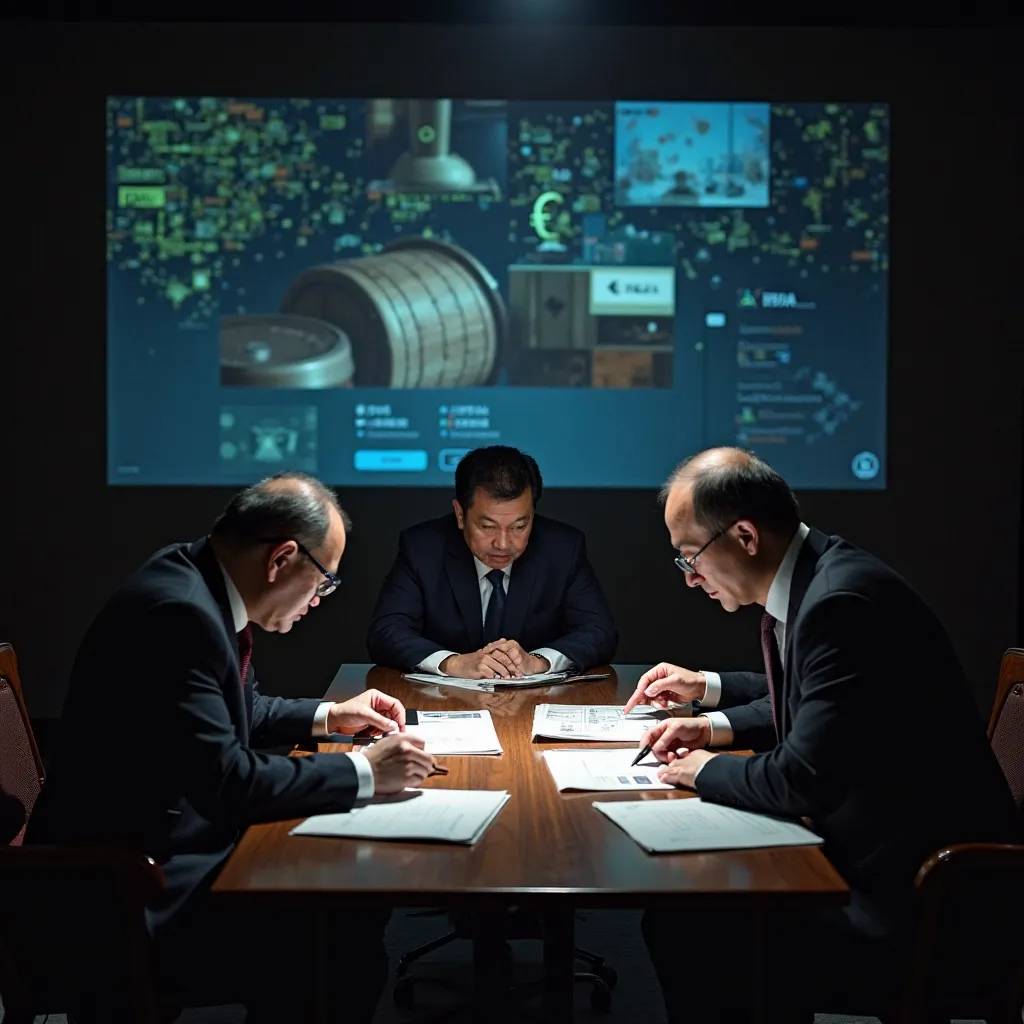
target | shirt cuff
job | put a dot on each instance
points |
(712, 689)
(558, 661)
(364, 773)
(721, 730)
(433, 663)
(320, 730)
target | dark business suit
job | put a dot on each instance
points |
(159, 668)
(430, 600)
(878, 743)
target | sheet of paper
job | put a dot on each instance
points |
(676, 826)
(456, 732)
(431, 815)
(603, 770)
(590, 722)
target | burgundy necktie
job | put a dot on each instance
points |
(245, 650)
(772, 661)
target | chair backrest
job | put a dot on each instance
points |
(1006, 726)
(73, 933)
(21, 768)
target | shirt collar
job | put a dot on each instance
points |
(482, 570)
(777, 602)
(238, 612)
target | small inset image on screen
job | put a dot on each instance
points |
(692, 154)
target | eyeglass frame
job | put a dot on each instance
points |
(330, 585)
(688, 565)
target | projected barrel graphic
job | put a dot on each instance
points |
(277, 351)
(420, 314)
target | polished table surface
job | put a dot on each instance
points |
(544, 845)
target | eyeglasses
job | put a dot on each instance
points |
(329, 585)
(688, 565)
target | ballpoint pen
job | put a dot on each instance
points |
(438, 770)
(695, 705)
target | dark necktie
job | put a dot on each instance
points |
(494, 620)
(772, 661)
(245, 650)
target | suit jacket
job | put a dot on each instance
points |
(430, 600)
(156, 746)
(879, 741)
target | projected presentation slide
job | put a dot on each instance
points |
(367, 289)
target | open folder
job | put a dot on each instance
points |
(677, 826)
(426, 815)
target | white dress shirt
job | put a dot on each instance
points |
(776, 605)
(558, 662)
(364, 771)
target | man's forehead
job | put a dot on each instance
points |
(679, 516)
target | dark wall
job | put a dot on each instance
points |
(949, 521)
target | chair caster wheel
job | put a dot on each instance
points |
(600, 997)
(404, 994)
(608, 975)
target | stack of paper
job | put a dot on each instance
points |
(429, 815)
(591, 722)
(489, 685)
(676, 826)
(603, 770)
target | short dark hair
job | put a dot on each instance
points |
(260, 513)
(724, 492)
(504, 473)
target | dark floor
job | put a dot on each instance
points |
(613, 933)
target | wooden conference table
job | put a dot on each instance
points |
(547, 851)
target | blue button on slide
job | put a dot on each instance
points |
(385, 460)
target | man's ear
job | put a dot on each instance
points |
(279, 558)
(460, 515)
(748, 536)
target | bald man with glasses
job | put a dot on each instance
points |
(168, 661)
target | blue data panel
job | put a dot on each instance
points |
(366, 289)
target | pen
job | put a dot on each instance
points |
(647, 748)
(438, 770)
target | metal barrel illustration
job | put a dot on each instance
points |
(420, 314)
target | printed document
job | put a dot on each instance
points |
(428, 815)
(590, 722)
(451, 732)
(676, 826)
(603, 770)
(455, 732)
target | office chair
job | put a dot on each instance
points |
(505, 927)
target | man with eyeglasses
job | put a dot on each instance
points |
(859, 727)
(168, 662)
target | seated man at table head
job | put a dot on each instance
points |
(164, 713)
(862, 722)
(493, 589)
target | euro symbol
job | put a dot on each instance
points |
(539, 217)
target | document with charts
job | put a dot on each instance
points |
(603, 770)
(452, 732)
(430, 815)
(590, 722)
(677, 826)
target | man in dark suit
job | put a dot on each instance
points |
(166, 666)
(862, 724)
(494, 590)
